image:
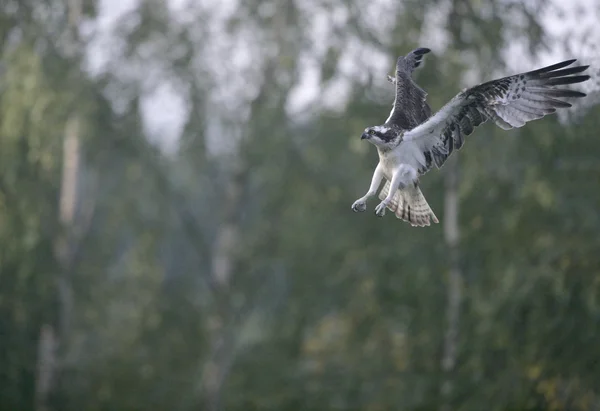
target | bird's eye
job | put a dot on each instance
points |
(371, 132)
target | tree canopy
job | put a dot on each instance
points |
(175, 224)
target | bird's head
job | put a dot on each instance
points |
(382, 136)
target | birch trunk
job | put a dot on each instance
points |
(223, 263)
(452, 238)
(68, 204)
(46, 364)
(227, 242)
(51, 340)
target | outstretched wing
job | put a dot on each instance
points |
(410, 108)
(509, 102)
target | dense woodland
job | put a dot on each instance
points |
(226, 271)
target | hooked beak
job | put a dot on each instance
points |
(365, 136)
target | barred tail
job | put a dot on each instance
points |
(410, 205)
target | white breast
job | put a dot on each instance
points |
(406, 154)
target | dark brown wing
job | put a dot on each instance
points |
(410, 108)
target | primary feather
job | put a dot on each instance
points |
(509, 102)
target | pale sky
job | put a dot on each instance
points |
(164, 108)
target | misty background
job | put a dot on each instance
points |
(175, 226)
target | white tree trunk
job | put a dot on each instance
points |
(452, 237)
(223, 262)
(46, 364)
(68, 205)
(49, 359)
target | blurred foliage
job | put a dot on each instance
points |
(230, 273)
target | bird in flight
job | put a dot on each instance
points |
(412, 141)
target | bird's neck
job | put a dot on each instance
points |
(389, 146)
(383, 151)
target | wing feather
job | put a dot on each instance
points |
(509, 102)
(410, 106)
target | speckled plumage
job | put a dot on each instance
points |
(412, 141)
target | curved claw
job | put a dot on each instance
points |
(380, 209)
(359, 206)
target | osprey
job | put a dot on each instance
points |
(412, 140)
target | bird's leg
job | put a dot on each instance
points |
(394, 185)
(361, 203)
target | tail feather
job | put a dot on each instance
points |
(409, 205)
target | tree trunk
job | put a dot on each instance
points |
(51, 340)
(452, 237)
(223, 344)
(46, 364)
(68, 204)
(223, 262)
(49, 360)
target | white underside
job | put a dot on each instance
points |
(405, 159)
